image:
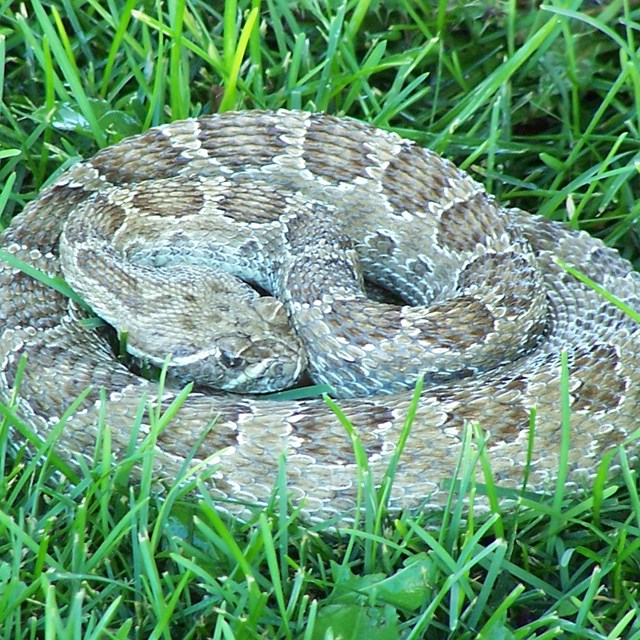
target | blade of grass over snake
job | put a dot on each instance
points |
(632, 313)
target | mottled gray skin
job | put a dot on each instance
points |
(306, 206)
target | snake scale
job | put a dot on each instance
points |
(312, 208)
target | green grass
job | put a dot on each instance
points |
(540, 104)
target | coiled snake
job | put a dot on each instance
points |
(307, 207)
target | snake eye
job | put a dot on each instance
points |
(230, 360)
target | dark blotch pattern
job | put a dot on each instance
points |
(339, 160)
(463, 225)
(181, 200)
(250, 142)
(602, 385)
(144, 157)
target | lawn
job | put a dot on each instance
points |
(539, 103)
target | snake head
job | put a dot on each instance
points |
(253, 350)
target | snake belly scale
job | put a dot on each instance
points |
(281, 197)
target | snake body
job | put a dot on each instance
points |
(307, 207)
